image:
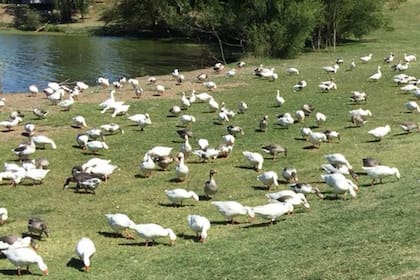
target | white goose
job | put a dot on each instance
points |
(285, 120)
(316, 138)
(66, 103)
(147, 166)
(340, 184)
(412, 106)
(112, 128)
(142, 120)
(290, 174)
(213, 105)
(160, 151)
(232, 209)
(203, 97)
(269, 178)
(103, 170)
(292, 71)
(36, 175)
(200, 225)
(120, 110)
(273, 211)
(338, 160)
(120, 223)
(177, 196)
(150, 232)
(210, 85)
(410, 58)
(381, 171)
(320, 118)
(95, 146)
(3, 215)
(366, 58)
(24, 150)
(181, 169)
(85, 249)
(300, 85)
(288, 195)
(380, 132)
(331, 69)
(279, 99)
(306, 188)
(42, 140)
(186, 120)
(305, 132)
(10, 124)
(256, 159)
(24, 257)
(377, 76)
(79, 122)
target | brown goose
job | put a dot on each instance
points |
(38, 226)
(210, 186)
(409, 126)
(274, 149)
(263, 124)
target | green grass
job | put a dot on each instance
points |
(372, 237)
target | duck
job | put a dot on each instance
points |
(79, 122)
(181, 169)
(232, 209)
(300, 85)
(274, 150)
(380, 132)
(380, 172)
(38, 226)
(412, 106)
(85, 249)
(178, 195)
(306, 188)
(279, 99)
(23, 151)
(377, 76)
(120, 223)
(147, 166)
(24, 257)
(42, 140)
(268, 178)
(409, 126)
(340, 184)
(150, 232)
(366, 58)
(242, 107)
(316, 138)
(263, 124)
(273, 211)
(112, 128)
(210, 186)
(95, 146)
(290, 174)
(3, 215)
(288, 195)
(256, 159)
(200, 225)
(40, 113)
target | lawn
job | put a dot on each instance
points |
(374, 236)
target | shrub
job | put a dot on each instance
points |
(26, 18)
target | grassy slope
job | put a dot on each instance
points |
(372, 237)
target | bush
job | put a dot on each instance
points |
(26, 19)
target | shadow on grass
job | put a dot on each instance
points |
(300, 139)
(204, 198)
(75, 263)
(132, 244)
(172, 205)
(189, 237)
(14, 272)
(264, 224)
(311, 147)
(110, 234)
(244, 167)
(402, 134)
(260, 188)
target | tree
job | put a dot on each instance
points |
(82, 6)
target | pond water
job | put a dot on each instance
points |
(27, 59)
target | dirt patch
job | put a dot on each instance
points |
(6, 14)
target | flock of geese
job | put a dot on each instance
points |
(339, 174)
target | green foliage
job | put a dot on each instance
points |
(26, 18)
(82, 6)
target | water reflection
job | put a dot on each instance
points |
(38, 59)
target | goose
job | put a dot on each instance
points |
(203, 143)
(409, 126)
(151, 80)
(150, 232)
(331, 135)
(160, 89)
(232, 209)
(358, 120)
(2, 102)
(112, 106)
(339, 61)
(177, 196)
(142, 120)
(175, 73)
(103, 82)
(147, 166)
(316, 138)
(300, 85)
(401, 67)
(112, 128)
(213, 105)
(82, 85)
(40, 113)
(279, 99)
(95, 146)
(268, 74)
(25, 150)
(242, 107)
(185, 102)
(416, 93)
(103, 170)
(231, 73)
(370, 162)
(380, 132)
(358, 97)
(366, 58)
(290, 174)
(79, 122)
(306, 188)
(138, 91)
(274, 149)
(273, 211)
(292, 71)
(380, 172)
(160, 151)
(120, 223)
(82, 140)
(24, 257)
(200, 225)
(352, 65)
(164, 162)
(340, 184)
(202, 77)
(229, 113)
(218, 67)
(263, 124)
(41, 140)
(377, 76)
(38, 226)
(187, 120)
(228, 139)
(331, 69)
(174, 110)
(234, 130)
(338, 160)
(409, 88)
(268, 178)
(192, 98)
(389, 58)
(410, 58)
(288, 195)
(90, 184)
(186, 147)
(36, 175)
(56, 96)
(361, 112)
(85, 249)
(33, 90)
(203, 97)
(10, 124)
(210, 186)
(320, 118)
(256, 159)
(412, 106)
(305, 132)
(241, 64)
(210, 85)
(208, 154)
(328, 85)
(14, 176)
(108, 101)
(66, 103)
(285, 120)
(181, 169)
(13, 242)
(29, 130)
(120, 109)
(94, 162)
(3, 215)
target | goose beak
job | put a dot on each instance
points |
(45, 272)
(87, 268)
(172, 243)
